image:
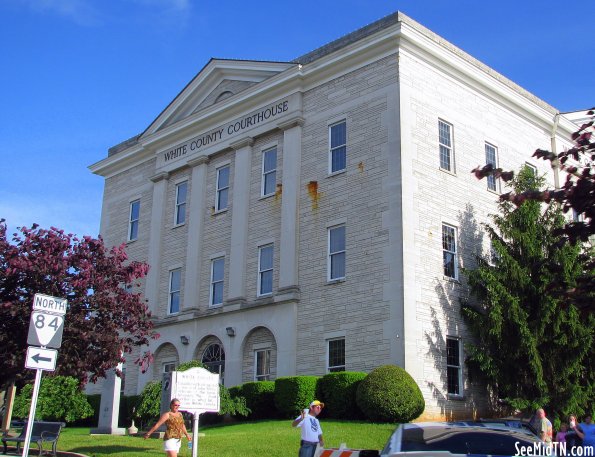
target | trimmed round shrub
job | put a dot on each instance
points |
(389, 394)
(260, 399)
(294, 393)
(337, 391)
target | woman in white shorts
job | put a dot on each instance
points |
(175, 428)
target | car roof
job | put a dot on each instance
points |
(436, 431)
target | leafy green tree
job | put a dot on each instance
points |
(576, 194)
(150, 402)
(60, 399)
(532, 347)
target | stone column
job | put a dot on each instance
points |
(195, 232)
(109, 406)
(288, 252)
(155, 239)
(239, 222)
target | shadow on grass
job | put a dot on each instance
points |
(109, 449)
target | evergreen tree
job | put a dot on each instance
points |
(531, 347)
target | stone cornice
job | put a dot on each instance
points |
(247, 141)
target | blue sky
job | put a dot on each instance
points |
(79, 76)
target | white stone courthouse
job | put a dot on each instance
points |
(313, 216)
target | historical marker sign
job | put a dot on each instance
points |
(197, 389)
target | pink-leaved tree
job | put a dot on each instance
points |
(106, 317)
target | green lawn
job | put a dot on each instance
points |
(254, 439)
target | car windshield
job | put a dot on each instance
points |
(463, 440)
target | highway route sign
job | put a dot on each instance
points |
(41, 359)
(48, 304)
(47, 321)
(45, 330)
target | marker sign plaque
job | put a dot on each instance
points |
(197, 389)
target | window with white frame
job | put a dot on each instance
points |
(262, 365)
(531, 167)
(265, 269)
(180, 212)
(336, 355)
(338, 147)
(491, 159)
(222, 196)
(217, 272)
(449, 251)
(134, 218)
(454, 370)
(446, 150)
(269, 172)
(175, 281)
(168, 367)
(336, 252)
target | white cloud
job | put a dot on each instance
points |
(178, 5)
(83, 12)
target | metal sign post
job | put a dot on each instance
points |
(32, 412)
(45, 330)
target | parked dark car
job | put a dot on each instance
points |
(463, 438)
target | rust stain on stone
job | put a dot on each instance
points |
(279, 191)
(360, 166)
(313, 193)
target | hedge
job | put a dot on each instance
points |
(294, 393)
(260, 399)
(338, 391)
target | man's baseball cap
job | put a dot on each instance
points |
(317, 403)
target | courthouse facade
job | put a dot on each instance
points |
(312, 216)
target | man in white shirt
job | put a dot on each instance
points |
(311, 430)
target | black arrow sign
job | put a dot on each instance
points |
(38, 358)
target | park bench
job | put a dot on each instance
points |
(43, 432)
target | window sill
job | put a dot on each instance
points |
(453, 280)
(129, 242)
(448, 172)
(264, 197)
(455, 397)
(218, 305)
(175, 226)
(335, 281)
(221, 211)
(495, 192)
(263, 296)
(336, 173)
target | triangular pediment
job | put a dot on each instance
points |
(217, 81)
